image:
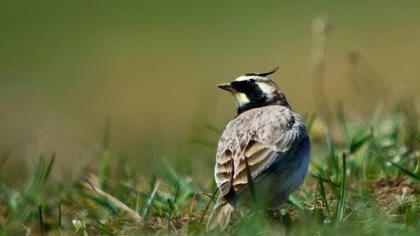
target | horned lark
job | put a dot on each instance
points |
(268, 137)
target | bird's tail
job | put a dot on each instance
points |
(220, 215)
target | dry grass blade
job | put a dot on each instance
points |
(151, 197)
(133, 214)
(208, 205)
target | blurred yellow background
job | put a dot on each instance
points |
(151, 67)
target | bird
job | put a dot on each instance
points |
(267, 142)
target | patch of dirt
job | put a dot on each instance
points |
(387, 190)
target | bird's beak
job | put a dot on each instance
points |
(226, 86)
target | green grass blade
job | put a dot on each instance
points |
(49, 167)
(417, 169)
(104, 169)
(137, 207)
(59, 216)
(213, 128)
(309, 120)
(332, 158)
(358, 142)
(341, 201)
(41, 220)
(327, 180)
(323, 195)
(203, 142)
(342, 121)
(185, 188)
(105, 161)
(402, 169)
(295, 202)
(36, 181)
(177, 190)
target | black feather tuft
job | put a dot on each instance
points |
(268, 73)
(262, 74)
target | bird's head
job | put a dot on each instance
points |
(254, 90)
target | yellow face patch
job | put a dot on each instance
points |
(240, 99)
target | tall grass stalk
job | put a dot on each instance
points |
(342, 200)
(41, 220)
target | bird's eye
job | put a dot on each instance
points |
(251, 80)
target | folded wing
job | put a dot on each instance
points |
(262, 138)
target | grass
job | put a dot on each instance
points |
(363, 179)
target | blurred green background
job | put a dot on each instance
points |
(151, 67)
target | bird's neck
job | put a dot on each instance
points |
(277, 99)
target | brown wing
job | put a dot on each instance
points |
(223, 171)
(263, 137)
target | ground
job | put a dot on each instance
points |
(363, 179)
